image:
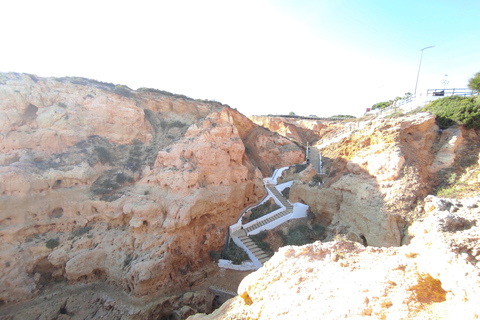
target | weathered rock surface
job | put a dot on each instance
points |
(100, 182)
(294, 129)
(312, 131)
(376, 176)
(436, 276)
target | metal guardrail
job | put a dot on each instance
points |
(434, 93)
(308, 118)
(450, 92)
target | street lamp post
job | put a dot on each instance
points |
(419, 65)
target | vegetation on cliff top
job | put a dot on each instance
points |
(474, 82)
(392, 102)
(456, 110)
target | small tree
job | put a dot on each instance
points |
(291, 113)
(474, 82)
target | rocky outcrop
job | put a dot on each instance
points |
(294, 129)
(434, 277)
(312, 131)
(104, 183)
(374, 178)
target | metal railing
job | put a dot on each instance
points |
(451, 92)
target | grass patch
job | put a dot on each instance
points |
(234, 253)
(263, 209)
(460, 186)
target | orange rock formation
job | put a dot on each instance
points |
(100, 182)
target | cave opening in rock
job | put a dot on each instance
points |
(30, 113)
(56, 213)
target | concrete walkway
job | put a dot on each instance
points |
(241, 234)
(315, 159)
(259, 254)
(288, 209)
(239, 231)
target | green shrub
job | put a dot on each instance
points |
(456, 110)
(177, 124)
(163, 123)
(263, 209)
(286, 193)
(317, 178)
(302, 235)
(474, 82)
(261, 235)
(310, 215)
(345, 116)
(234, 253)
(121, 178)
(33, 77)
(52, 243)
(258, 240)
(123, 90)
(382, 105)
(103, 155)
(214, 255)
(300, 167)
(78, 80)
(80, 231)
(165, 93)
(317, 232)
(296, 238)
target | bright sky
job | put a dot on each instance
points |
(323, 57)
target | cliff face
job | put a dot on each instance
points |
(296, 130)
(100, 182)
(434, 277)
(302, 130)
(378, 174)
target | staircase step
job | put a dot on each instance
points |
(262, 256)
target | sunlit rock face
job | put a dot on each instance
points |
(103, 183)
(374, 178)
(294, 129)
(434, 277)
